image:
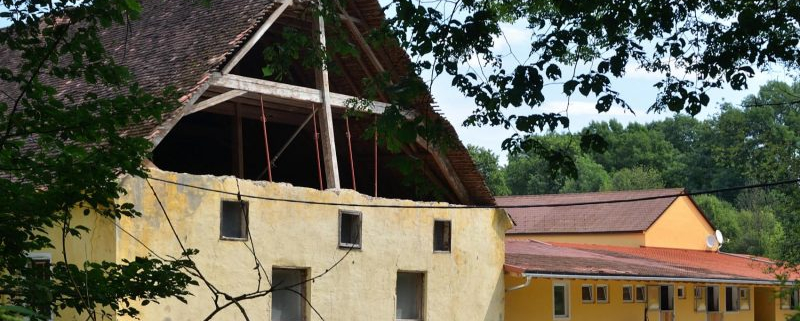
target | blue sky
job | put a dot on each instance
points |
(636, 87)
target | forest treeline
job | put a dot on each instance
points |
(755, 141)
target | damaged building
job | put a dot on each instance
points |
(278, 167)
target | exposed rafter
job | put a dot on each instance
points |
(256, 36)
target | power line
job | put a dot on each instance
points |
(628, 200)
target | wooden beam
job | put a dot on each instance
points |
(290, 92)
(256, 36)
(239, 154)
(361, 41)
(216, 100)
(447, 169)
(326, 116)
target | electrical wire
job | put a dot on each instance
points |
(422, 206)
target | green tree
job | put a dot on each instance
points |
(489, 166)
(636, 178)
(63, 153)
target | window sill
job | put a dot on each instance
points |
(226, 238)
(347, 247)
(441, 252)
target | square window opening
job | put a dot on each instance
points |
(602, 294)
(349, 229)
(410, 292)
(288, 304)
(587, 291)
(441, 236)
(627, 293)
(233, 220)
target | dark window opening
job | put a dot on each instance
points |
(441, 236)
(712, 299)
(349, 229)
(233, 220)
(288, 303)
(666, 298)
(410, 295)
(40, 270)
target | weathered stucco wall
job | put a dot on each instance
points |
(466, 284)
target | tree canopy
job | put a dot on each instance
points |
(754, 142)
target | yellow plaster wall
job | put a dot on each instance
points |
(536, 303)
(466, 284)
(99, 244)
(680, 226)
(615, 239)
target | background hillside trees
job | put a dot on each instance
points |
(756, 141)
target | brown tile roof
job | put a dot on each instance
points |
(631, 216)
(179, 44)
(580, 259)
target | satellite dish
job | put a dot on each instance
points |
(711, 241)
(720, 239)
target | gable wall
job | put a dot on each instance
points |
(681, 226)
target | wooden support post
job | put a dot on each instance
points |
(239, 144)
(326, 116)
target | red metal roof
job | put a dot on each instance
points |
(583, 259)
(631, 216)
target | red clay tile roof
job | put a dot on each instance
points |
(581, 259)
(596, 218)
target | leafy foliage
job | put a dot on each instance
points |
(756, 142)
(61, 152)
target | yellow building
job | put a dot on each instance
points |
(277, 189)
(636, 255)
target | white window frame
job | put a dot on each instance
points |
(632, 293)
(597, 293)
(360, 239)
(591, 293)
(744, 295)
(734, 299)
(636, 294)
(700, 304)
(680, 292)
(245, 220)
(567, 305)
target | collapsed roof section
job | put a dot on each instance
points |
(213, 56)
